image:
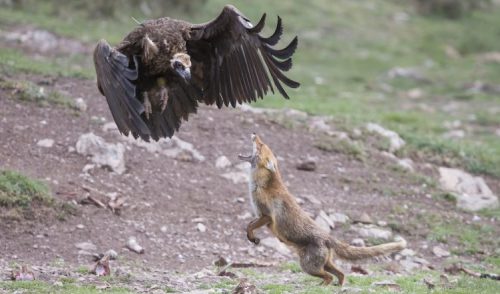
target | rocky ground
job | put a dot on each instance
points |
(185, 202)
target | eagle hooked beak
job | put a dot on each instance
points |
(181, 64)
(184, 72)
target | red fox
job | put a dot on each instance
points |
(277, 209)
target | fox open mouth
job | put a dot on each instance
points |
(247, 158)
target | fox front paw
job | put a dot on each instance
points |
(254, 240)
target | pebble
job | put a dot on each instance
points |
(201, 227)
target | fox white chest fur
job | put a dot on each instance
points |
(252, 185)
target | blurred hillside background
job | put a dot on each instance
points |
(429, 69)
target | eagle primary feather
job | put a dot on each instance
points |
(160, 71)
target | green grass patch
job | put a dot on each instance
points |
(17, 190)
(39, 287)
(277, 288)
(14, 61)
(30, 92)
(293, 267)
(471, 238)
(348, 147)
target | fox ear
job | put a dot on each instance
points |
(270, 165)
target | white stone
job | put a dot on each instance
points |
(409, 73)
(409, 264)
(471, 192)
(440, 252)
(319, 124)
(236, 177)
(45, 143)
(222, 162)
(171, 147)
(324, 222)
(80, 226)
(407, 252)
(395, 140)
(339, 218)
(406, 163)
(80, 104)
(275, 244)
(369, 231)
(102, 153)
(358, 242)
(201, 227)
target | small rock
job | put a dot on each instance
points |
(163, 229)
(58, 284)
(471, 192)
(373, 232)
(406, 163)
(364, 219)
(246, 215)
(201, 227)
(324, 222)
(237, 177)
(319, 124)
(134, 246)
(275, 244)
(440, 252)
(45, 143)
(421, 261)
(395, 140)
(381, 223)
(388, 284)
(414, 93)
(407, 73)
(102, 153)
(87, 168)
(86, 246)
(245, 287)
(409, 265)
(307, 165)
(222, 162)
(358, 242)
(407, 252)
(80, 226)
(112, 254)
(338, 218)
(80, 104)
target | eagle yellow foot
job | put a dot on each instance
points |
(147, 105)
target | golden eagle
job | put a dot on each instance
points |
(160, 71)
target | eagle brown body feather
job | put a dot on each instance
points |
(228, 61)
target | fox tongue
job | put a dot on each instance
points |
(245, 158)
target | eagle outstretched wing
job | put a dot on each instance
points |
(115, 80)
(230, 63)
(235, 59)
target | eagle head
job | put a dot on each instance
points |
(181, 64)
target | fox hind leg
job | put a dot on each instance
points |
(331, 268)
(313, 259)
